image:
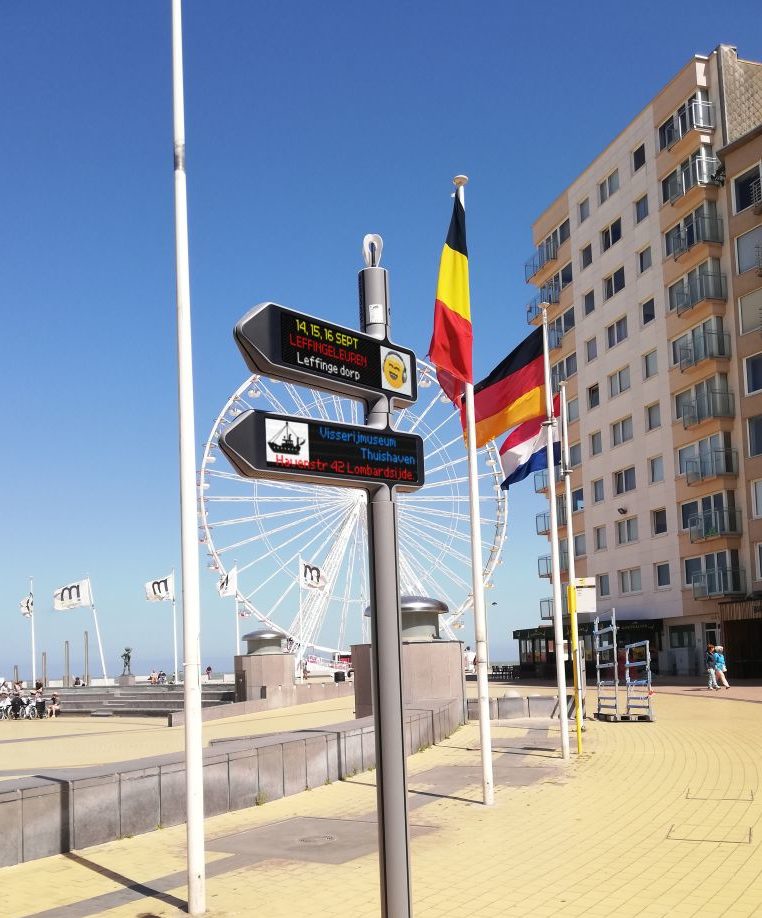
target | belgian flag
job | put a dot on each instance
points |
(513, 392)
(452, 340)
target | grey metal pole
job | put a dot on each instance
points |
(67, 672)
(15, 672)
(44, 668)
(386, 633)
(86, 672)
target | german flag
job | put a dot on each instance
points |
(452, 341)
(513, 392)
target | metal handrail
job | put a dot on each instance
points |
(542, 520)
(700, 115)
(549, 295)
(544, 564)
(702, 229)
(697, 172)
(698, 288)
(713, 523)
(705, 345)
(711, 464)
(720, 582)
(541, 479)
(546, 251)
(546, 607)
(716, 403)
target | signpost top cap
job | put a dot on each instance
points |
(372, 246)
(460, 180)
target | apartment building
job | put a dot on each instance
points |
(649, 265)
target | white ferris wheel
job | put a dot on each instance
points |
(267, 528)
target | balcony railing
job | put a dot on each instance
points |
(548, 295)
(700, 287)
(702, 229)
(698, 115)
(721, 582)
(546, 607)
(546, 252)
(756, 195)
(704, 346)
(697, 172)
(544, 567)
(713, 404)
(712, 524)
(542, 520)
(541, 479)
(711, 464)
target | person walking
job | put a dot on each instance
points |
(709, 665)
(719, 665)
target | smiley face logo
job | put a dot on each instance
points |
(394, 370)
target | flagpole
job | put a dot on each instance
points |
(194, 776)
(480, 616)
(237, 618)
(574, 633)
(174, 620)
(97, 629)
(301, 625)
(31, 622)
(555, 562)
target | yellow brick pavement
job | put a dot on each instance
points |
(653, 820)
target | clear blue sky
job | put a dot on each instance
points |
(308, 125)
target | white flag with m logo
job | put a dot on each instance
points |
(161, 589)
(73, 595)
(312, 577)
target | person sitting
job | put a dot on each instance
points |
(154, 677)
(77, 681)
(39, 698)
(54, 708)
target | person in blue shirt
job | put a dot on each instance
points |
(709, 666)
(719, 665)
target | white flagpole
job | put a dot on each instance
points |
(566, 461)
(194, 776)
(97, 629)
(480, 616)
(237, 617)
(31, 622)
(174, 620)
(300, 652)
(558, 630)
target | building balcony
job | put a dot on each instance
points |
(714, 524)
(544, 567)
(542, 520)
(680, 136)
(697, 174)
(541, 479)
(703, 229)
(722, 582)
(688, 295)
(714, 464)
(713, 404)
(704, 346)
(545, 253)
(548, 296)
(546, 607)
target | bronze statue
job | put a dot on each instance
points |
(126, 657)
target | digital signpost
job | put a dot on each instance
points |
(299, 348)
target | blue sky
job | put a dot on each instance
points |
(307, 126)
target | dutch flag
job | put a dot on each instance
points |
(524, 451)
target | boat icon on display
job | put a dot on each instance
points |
(286, 443)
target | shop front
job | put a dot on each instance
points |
(741, 624)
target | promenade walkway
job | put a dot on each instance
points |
(653, 820)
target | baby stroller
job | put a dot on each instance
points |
(28, 708)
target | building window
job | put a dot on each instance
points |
(751, 312)
(580, 545)
(629, 580)
(611, 235)
(572, 410)
(753, 367)
(659, 521)
(577, 500)
(653, 416)
(639, 158)
(621, 431)
(613, 283)
(647, 311)
(564, 231)
(641, 209)
(598, 495)
(627, 531)
(589, 302)
(755, 435)
(575, 455)
(619, 382)
(617, 332)
(650, 365)
(587, 255)
(661, 574)
(603, 585)
(756, 496)
(743, 188)
(644, 259)
(749, 250)
(608, 186)
(599, 538)
(596, 443)
(682, 635)
(566, 275)
(624, 480)
(593, 396)
(655, 469)
(591, 349)
(584, 210)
